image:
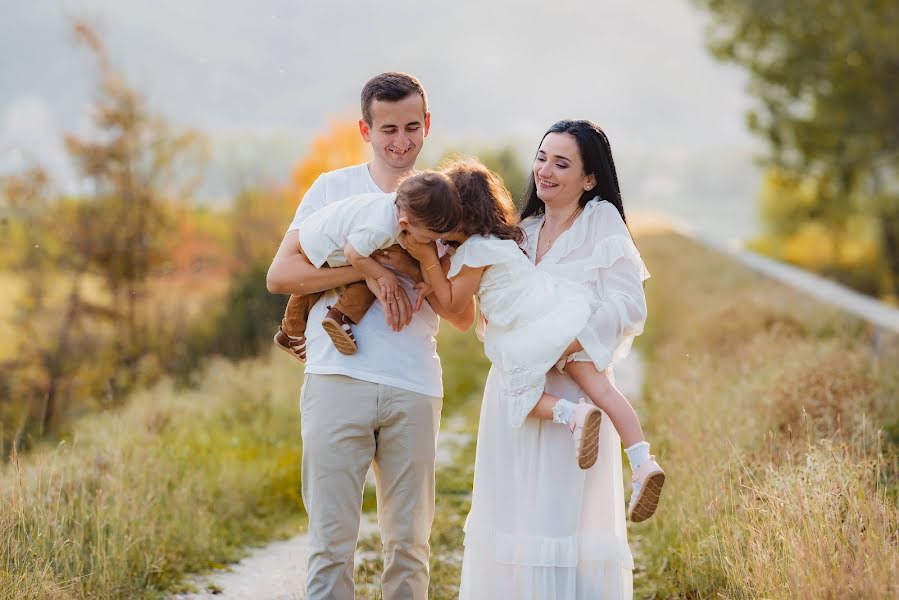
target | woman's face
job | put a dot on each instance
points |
(559, 171)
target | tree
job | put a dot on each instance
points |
(70, 343)
(340, 146)
(505, 162)
(826, 77)
(135, 164)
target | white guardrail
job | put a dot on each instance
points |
(879, 314)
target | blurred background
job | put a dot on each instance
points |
(261, 81)
(153, 154)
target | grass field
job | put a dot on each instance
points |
(177, 481)
(765, 408)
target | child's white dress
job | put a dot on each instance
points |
(531, 317)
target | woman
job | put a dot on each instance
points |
(539, 526)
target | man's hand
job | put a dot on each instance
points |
(397, 308)
(397, 258)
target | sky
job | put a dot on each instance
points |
(261, 78)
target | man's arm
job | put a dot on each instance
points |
(291, 273)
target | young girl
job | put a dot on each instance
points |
(532, 323)
(347, 232)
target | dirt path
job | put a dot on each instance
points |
(278, 570)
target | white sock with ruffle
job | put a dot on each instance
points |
(563, 412)
(637, 454)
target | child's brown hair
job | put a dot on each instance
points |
(487, 207)
(431, 200)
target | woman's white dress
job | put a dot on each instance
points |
(531, 317)
(540, 527)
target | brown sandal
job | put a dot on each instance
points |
(294, 346)
(339, 327)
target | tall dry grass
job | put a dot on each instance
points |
(177, 481)
(180, 481)
(766, 410)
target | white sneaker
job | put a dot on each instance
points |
(647, 489)
(585, 429)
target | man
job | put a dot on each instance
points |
(381, 405)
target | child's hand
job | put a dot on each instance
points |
(420, 251)
(423, 290)
(398, 258)
(390, 287)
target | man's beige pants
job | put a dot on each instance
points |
(348, 424)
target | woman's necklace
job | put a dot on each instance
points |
(546, 240)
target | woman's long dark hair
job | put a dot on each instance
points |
(596, 154)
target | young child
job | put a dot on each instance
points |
(347, 232)
(533, 319)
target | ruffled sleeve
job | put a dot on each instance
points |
(621, 311)
(479, 251)
(601, 253)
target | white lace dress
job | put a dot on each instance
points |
(539, 526)
(531, 317)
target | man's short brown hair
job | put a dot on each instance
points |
(391, 87)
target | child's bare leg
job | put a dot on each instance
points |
(607, 397)
(544, 407)
(648, 476)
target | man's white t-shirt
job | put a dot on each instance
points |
(406, 359)
(367, 221)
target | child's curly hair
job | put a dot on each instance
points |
(487, 207)
(431, 200)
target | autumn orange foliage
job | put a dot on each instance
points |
(340, 146)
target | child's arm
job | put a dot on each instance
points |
(369, 267)
(454, 295)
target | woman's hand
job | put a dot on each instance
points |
(573, 347)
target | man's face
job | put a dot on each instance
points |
(397, 131)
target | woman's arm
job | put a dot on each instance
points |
(573, 347)
(621, 313)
